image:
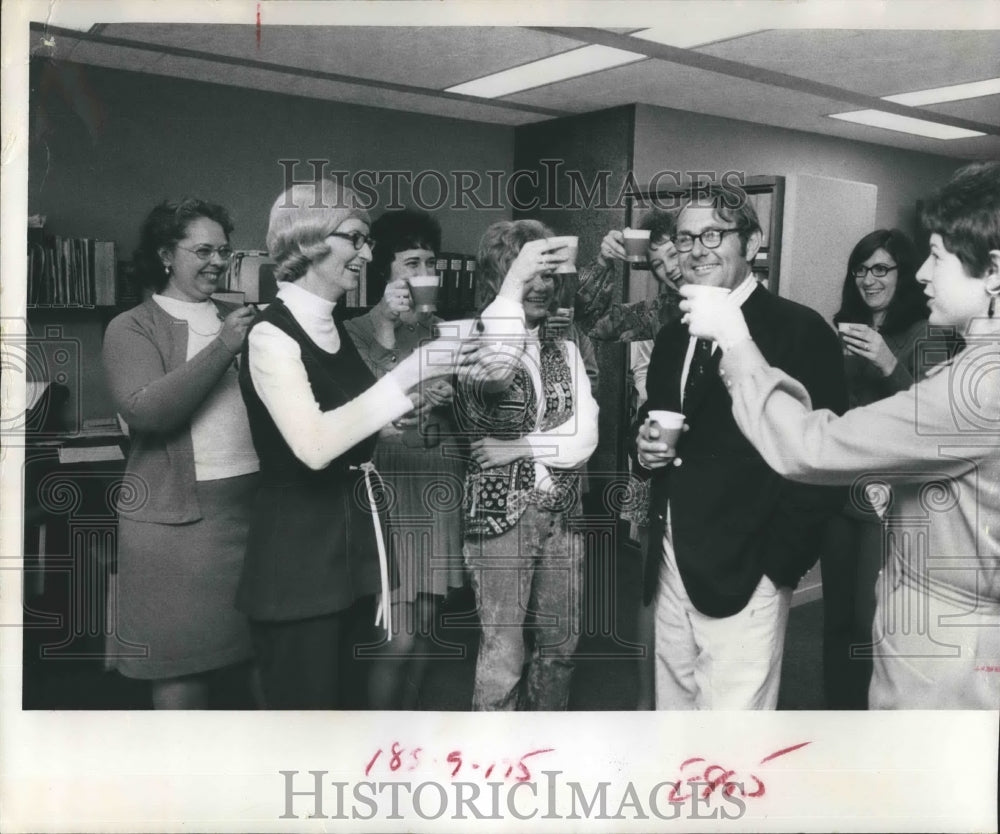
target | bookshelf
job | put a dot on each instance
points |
(69, 273)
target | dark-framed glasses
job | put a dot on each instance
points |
(710, 239)
(204, 253)
(877, 270)
(357, 239)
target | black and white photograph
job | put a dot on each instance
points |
(627, 370)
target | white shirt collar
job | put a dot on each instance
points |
(743, 291)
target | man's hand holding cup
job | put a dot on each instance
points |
(656, 443)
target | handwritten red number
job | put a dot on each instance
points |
(371, 764)
(455, 758)
(415, 753)
(395, 760)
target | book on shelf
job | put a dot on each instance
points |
(70, 272)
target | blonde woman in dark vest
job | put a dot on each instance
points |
(316, 553)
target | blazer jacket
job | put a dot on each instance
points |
(733, 519)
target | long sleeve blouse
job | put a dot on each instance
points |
(936, 443)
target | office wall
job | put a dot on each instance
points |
(106, 145)
(589, 145)
(676, 140)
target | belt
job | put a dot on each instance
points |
(383, 608)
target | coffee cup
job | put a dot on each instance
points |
(696, 290)
(571, 243)
(424, 289)
(670, 423)
(636, 245)
(844, 329)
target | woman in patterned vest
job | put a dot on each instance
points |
(531, 427)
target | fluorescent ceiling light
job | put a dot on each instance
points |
(956, 92)
(905, 124)
(696, 33)
(570, 64)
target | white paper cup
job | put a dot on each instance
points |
(636, 245)
(572, 244)
(670, 423)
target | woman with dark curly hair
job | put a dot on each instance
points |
(192, 466)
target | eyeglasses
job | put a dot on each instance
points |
(204, 253)
(878, 270)
(710, 239)
(357, 239)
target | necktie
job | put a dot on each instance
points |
(700, 360)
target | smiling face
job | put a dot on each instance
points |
(340, 271)
(877, 293)
(538, 295)
(664, 260)
(955, 297)
(727, 266)
(192, 279)
(412, 262)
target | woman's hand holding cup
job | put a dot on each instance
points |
(536, 256)
(710, 313)
(394, 301)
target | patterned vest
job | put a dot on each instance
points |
(495, 498)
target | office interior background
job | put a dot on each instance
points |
(848, 127)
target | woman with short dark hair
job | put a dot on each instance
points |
(191, 473)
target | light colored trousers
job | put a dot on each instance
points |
(718, 663)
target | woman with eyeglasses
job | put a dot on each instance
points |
(184, 510)
(882, 321)
(317, 550)
(936, 630)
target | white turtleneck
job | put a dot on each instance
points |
(279, 377)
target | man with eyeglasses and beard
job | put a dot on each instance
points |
(729, 539)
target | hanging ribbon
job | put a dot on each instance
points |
(383, 607)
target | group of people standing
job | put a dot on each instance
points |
(312, 488)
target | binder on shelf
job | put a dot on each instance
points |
(468, 295)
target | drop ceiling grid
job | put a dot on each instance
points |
(874, 62)
(339, 92)
(431, 57)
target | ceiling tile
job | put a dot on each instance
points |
(433, 57)
(874, 62)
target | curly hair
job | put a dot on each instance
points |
(660, 224)
(301, 220)
(966, 213)
(908, 303)
(166, 226)
(498, 248)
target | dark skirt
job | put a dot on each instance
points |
(175, 587)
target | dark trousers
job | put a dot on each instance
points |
(311, 663)
(850, 562)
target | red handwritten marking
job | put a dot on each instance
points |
(398, 756)
(988, 668)
(782, 752)
(716, 776)
(258, 26)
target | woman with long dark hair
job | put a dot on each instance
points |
(883, 323)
